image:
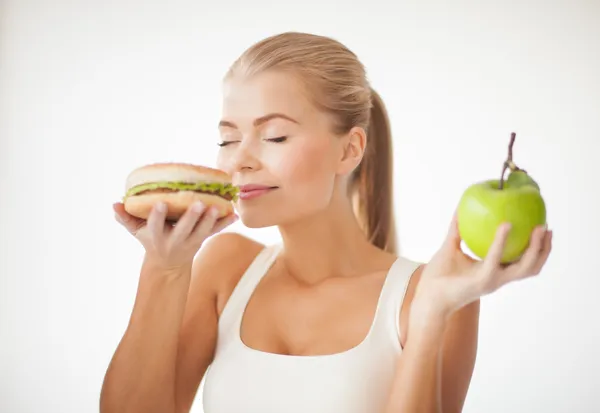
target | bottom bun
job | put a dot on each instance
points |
(177, 203)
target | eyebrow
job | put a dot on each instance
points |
(260, 121)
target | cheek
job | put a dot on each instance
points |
(308, 171)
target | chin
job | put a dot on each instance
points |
(269, 217)
(252, 221)
(260, 214)
(255, 218)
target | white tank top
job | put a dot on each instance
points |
(358, 380)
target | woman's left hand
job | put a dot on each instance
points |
(452, 280)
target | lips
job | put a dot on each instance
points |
(254, 187)
(251, 191)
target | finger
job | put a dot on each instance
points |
(492, 260)
(525, 266)
(205, 225)
(453, 237)
(187, 222)
(157, 219)
(131, 223)
(544, 254)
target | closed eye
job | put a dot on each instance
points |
(278, 139)
(225, 143)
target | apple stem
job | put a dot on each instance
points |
(509, 160)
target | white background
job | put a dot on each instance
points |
(91, 89)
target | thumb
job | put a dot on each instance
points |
(453, 239)
(131, 223)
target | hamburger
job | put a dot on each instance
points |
(178, 185)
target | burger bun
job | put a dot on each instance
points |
(177, 202)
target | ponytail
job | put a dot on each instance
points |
(373, 181)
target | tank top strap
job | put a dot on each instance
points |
(387, 321)
(242, 292)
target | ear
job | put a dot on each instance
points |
(354, 145)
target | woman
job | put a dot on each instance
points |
(330, 321)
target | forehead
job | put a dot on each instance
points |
(247, 98)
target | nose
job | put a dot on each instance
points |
(244, 157)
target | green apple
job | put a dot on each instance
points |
(485, 205)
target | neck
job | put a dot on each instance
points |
(328, 244)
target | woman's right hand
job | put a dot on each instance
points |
(170, 246)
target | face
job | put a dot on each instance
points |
(279, 149)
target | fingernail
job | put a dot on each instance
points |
(161, 207)
(198, 207)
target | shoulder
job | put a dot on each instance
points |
(221, 246)
(222, 261)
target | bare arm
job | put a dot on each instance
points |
(459, 354)
(141, 374)
(439, 357)
(437, 362)
(171, 337)
(214, 276)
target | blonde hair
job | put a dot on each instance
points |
(338, 85)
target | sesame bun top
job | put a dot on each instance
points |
(175, 172)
